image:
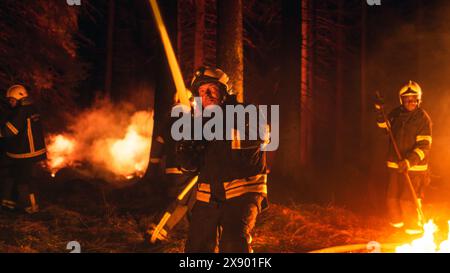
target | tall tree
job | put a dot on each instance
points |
(306, 85)
(109, 48)
(199, 35)
(185, 45)
(196, 35)
(286, 165)
(230, 52)
(363, 64)
(339, 140)
(38, 44)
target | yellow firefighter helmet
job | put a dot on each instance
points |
(208, 74)
(17, 92)
(410, 89)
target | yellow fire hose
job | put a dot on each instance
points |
(181, 94)
(181, 97)
(357, 247)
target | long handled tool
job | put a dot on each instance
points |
(400, 158)
(181, 94)
(159, 232)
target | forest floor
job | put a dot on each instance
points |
(107, 218)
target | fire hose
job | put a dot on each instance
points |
(181, 97)
(181, 93)
(400, 158)
(372, 247)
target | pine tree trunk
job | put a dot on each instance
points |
(199, 56)
(306, 87)
(419, 35)
(109, 48)
(339, 88)
(286, 169)
(230, 53)
(363, 88)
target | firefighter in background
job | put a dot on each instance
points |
(25, 149)
(231, 188)
(411, 127)
(5, 175)
(180, 161)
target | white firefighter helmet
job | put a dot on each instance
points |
(410, 89)
(17, 92)
(208, 74)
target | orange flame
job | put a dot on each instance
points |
(130, 155)
(59, 151)
(426, 244)
(122, 150)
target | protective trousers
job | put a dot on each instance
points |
(224, 226)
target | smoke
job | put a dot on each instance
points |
(108, 140)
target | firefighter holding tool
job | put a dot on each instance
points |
(232, 183)
(25, 150)
(180, 161)
(409, 127)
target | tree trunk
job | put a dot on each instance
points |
(306, 87)
(339, 141)
(109, 48)
(419, 36)
(363, 88)
(230, 53)
(199, 56)
(286, 163)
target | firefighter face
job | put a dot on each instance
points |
(12, 102)
(210, 94)
(410, 103)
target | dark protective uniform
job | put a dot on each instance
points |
(25, 149)
(231, 191)
(412, 132)
(5, 169)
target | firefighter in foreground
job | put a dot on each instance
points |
(411, 127)
(180, 160)
(25, 149)
(231, 188)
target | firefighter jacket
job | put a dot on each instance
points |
(232, 168)
(180, 157)
(412, 132)
(5, 112)
(23, 133)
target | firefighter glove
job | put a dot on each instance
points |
(378, 103)
(403, 166)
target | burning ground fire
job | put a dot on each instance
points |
(59, 151)
(112, 142)
(426, 244)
